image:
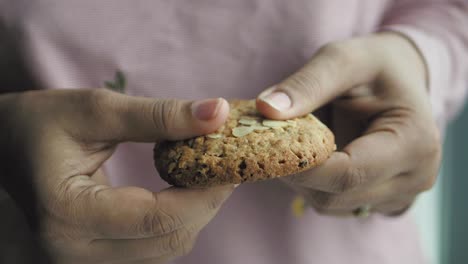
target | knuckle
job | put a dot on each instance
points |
(165, 113)
(431, 156)
(217, 199)
(323, 201)
(309, 84)
(402, 209)
(96, 102)
(148, 223)
(181, 241)
(336, 53)
(96, 97)
(428, 142)
(303, 80)
(434, 145)
(213, 204)
(159, 223)
(156, 221)
(428, 183)
(351, 179)
(331, 48)
(312, 81)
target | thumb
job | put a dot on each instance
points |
(334, 69)
(121, 117)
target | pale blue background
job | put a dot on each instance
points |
(442, 213)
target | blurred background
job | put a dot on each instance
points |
(442, 213)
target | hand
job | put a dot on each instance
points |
(56, 141)
(373, 90)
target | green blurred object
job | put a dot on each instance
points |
(118, 84)
(454, 220)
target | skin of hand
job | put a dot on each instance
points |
(57, 140)
(372, 92)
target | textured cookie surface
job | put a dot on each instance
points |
(247, 148)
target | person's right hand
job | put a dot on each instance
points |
(56, 141)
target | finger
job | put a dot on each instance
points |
(345, 204)
(333, 70)
(159, 260)
(397, 189)
(368, 160)
(176, 243)
(162, 260)
(396, 207)
(110, 116)
(131, 212)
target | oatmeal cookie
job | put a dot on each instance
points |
(247, 148)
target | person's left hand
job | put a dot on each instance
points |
(377, 104)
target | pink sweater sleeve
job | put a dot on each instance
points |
(439, 28)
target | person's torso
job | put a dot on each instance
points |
(206, 48)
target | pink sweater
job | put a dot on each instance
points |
(235, 49)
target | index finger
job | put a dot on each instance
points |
(131, 212)
(367, 160)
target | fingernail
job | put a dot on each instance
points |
(206, 109)
(235, 185)
(278, 100)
